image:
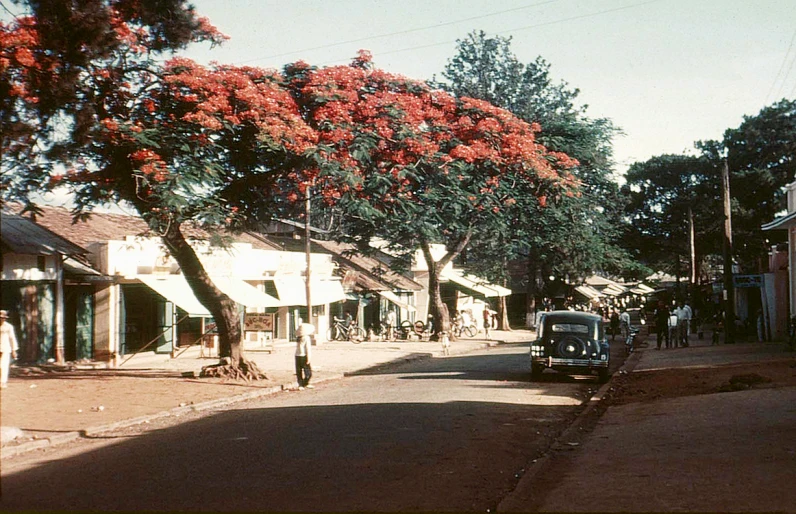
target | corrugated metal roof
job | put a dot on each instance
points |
(24, 236)
(104, 226)
(369, 267)
(781, 223)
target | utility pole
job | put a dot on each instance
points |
(729, 286)
(307, 248)
(691, 248)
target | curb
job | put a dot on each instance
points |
(66, 437)
(516, 500)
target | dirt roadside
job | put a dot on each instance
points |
(647, 387)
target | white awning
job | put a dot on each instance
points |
(781, 223)
(175, 289)
(476, 284)
(244, 293)
(589, 292)
(394, 298)
(292, 291)
(614, 290)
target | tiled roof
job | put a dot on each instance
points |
(369, 266)
(22, 235)
(103, 226)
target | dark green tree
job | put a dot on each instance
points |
(574, 235)
(761, 154)
(664, 192)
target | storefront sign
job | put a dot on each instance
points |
(742, 281)
(258, 322)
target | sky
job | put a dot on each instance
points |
(667, 72)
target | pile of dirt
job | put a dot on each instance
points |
(644, 386)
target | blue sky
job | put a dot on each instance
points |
(668, 72)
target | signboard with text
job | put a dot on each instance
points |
(258, 322)
(742, 281)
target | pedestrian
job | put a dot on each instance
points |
(624, 323)
(683, 318)
(487, 321)
(466, 319)
(8, 347)
(689, 316)
(614, 324)
(673, 337)
(303, 354)
(718, 327)
(392, 324)
(662, 324)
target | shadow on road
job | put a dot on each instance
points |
(457, 455)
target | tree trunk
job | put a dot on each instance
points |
(223, 309)
(437, 308)
(531, 292)
(503, 315)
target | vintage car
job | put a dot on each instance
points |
(571, 342)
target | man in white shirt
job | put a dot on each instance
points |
(624, 323)
(303, 353)
(8, 347)
(682, 325)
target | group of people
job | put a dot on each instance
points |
(674, 326)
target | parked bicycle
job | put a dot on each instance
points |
(630, 340)
(340, 332)
(391, 333)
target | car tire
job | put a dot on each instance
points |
(603, 376)
(571, 347)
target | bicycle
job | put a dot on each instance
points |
(630, 340)
(340, 332)
(388, 332)
(468, 330)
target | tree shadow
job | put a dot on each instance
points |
(458, 455)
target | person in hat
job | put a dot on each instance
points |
(8, 347)
(303, 353)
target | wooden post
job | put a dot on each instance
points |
(729, 286)
(692, 250)
(307, 250)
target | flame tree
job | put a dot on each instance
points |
(419, 166)
(87, 105)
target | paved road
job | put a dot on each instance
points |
(442, 434)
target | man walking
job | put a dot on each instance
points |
(303, 352)
(682, 324)
(662, 324)
(8, 347)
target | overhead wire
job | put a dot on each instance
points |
(782, 67)
(400, 32)
(527, 27)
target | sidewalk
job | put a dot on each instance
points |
(716, 452)
(45, 406)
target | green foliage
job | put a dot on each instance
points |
(661, 192)
(761, 154)
(573, 234)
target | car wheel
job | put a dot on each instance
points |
(536, 371)
(603, 375)
(571, 347)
